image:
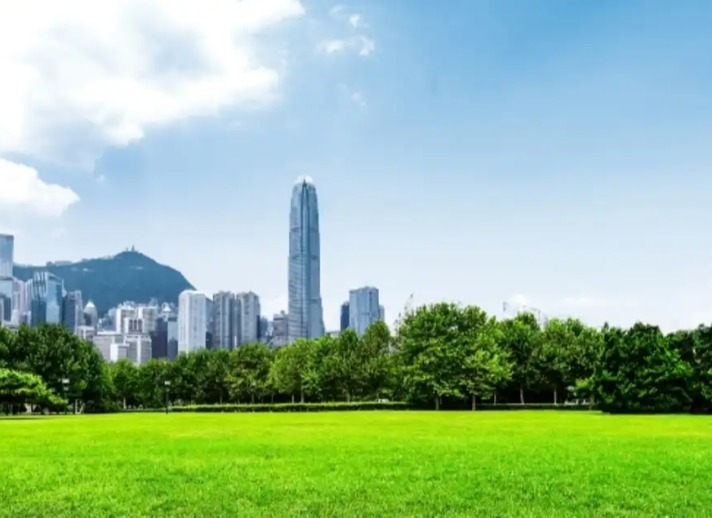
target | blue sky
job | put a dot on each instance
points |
(556, 153)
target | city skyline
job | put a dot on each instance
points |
(551, 154)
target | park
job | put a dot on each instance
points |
(367, 463)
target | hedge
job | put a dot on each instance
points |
(531, 406)
(294, 407)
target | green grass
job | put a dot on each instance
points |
(357, 464)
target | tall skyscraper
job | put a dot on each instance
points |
(306, 318)
(344, 316)
(91, 315)
(249, 304)
(280, 325)
(73, 311)
(7, 250)
(46, 299)
(224, 320)
(364, 308)
(192, 321)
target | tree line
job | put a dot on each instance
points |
(441, 356)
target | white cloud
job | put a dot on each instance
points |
(356, 21)
(358, 98)
(22, 191)
(81, 75)
(361, 44)
(518, 300)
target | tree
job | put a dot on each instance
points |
(125, 378)
(638, 372)
(292, 370)
(486, 365)
(432, 352)
(20, 388)
(249, 371)
(521, 337)
(377, 360)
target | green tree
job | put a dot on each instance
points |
(125, 378)
(521, 337)
(638, 372)
(432, 348)
(249, 372)
(486, 365)
(292, 371)
(20, 388)
(378, 364)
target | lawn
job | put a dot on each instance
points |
(538, 463)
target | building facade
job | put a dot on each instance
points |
(280, 325)
(7, 251)
(364, 309)
(306, 318)
(46, 299)
(224, 320)
(344, 317)
(192, 321)
(249, 318)
(73, 311)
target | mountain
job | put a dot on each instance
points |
(110, 281)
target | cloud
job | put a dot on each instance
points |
(356, 21)
(24, 192)
(82, 75)
(358, 98)
(361, 44)
(518, 300)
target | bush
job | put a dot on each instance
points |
(294, 407)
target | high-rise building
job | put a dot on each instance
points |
(123, 314)
(382, 313)
(148, 316)
(91, 315)
(7, 286)
(46, 300)
(280, 323)
(7, 250)
(192, 321)
(73, 311)
(306, 318)
(249, 324)
(364, 309)
(344, 316)
(224, 320)
(19, 302)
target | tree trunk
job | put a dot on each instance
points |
(348, 397)
(124, 403)
(271, 398)
(292, 398)
(474, 402)
(437, 403)
(301, 395)
(495, 398)
(521, 395)
(252, 399)
(556, 398)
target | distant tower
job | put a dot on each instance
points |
(344, 316)
(192, 321)
(91, 315)
(306, 318)
(364, 309)
(7, 250)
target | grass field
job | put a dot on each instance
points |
(357, 464)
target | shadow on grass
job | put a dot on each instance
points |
(22, 417)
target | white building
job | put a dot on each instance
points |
(122, 315)
(149, 315)
(139, 347)
(192, 321)
(249, 318)
(280, 332)
(364, 309)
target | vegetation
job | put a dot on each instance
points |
(369, 464)
(443, 356)
(112, 280)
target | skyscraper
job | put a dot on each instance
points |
(73, 311)
(305, 310)
(7, 249)
(249, 307)
(46, 299)
(344, 316)
(224, 320)
(192, 321)
(364, 309)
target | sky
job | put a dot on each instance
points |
(556, 154)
